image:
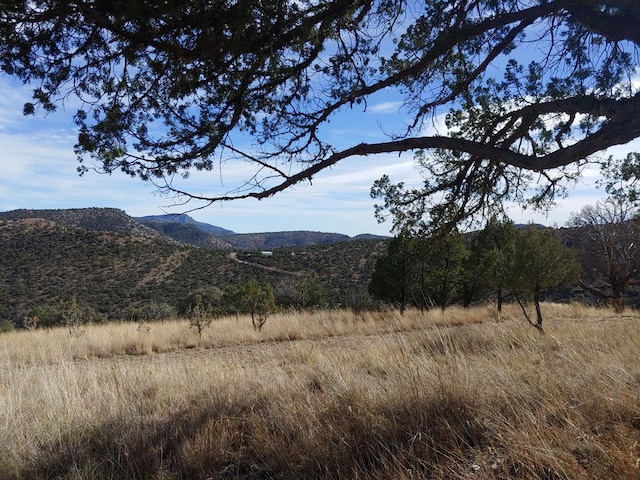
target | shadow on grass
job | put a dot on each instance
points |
(343, 440)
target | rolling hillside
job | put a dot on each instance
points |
(188, 233)
(102, 219)
(110, 263)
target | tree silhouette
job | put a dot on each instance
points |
(166, 88)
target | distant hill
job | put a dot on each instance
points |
(43, 263)
(180, 227)
(188, 233)
(270, 240)
(184, 219)
(101, 219)
(522, 226)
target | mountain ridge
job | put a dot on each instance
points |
(254, 240)
(91, 218)
(183, 218)
(181, 228)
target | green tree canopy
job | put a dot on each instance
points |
(209, 299)
(393, 276)
(493, 252)
(422, 271)
(532, 89)
(442, 261)
(541, 262)
(258, 300)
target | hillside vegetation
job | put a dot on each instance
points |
(189, 234)
(112, 266)
(100, 219)
(43, 263)
(271, 240)
(332, 395)
(108, 266)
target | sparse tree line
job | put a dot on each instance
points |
(254, 298)
(504, 261)
(69, 313)
(499, 262)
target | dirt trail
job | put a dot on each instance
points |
(165, 269)
(234, 256)
(256, 351)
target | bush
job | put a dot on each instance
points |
(68, 313)
(209, 298)
(6, 326)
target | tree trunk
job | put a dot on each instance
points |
(617, 299)
(536, 302)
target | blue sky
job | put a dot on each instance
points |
(39, 172)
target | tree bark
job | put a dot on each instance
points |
(616, 300)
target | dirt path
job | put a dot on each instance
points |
(252, 351)
(234, 256)
(165, 269)
(256, 351)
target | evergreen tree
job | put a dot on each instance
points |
(494, 254)
(393, 273)
(541, 262)
(425, 271)
(445, 259)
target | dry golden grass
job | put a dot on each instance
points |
(329, 395)
(48, 346)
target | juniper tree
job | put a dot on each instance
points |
(541, 262)
(494, 249)
(444, 259)
(393, 275)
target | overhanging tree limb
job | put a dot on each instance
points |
(168, 87)
(608, 136)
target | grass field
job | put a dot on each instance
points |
(330, 395)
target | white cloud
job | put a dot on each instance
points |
(385, 107)
(39, 171)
